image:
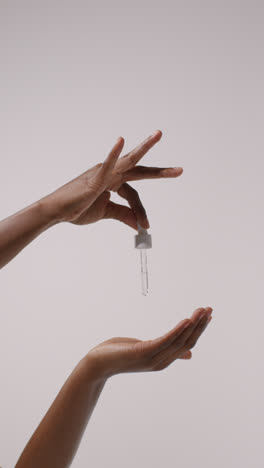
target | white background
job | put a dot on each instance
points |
(75, 75)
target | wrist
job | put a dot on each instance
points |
(49, 210)
(91, 369)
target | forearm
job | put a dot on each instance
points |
(57, 438)
(19, 229)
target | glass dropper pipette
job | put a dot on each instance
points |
(143, 242)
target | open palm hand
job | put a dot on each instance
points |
(119, 355)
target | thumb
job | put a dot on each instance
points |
(186, 355)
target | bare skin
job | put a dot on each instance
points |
(86, 199)
(57, 438)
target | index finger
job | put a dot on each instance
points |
(112, 157)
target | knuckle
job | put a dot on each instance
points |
(135, 194)
(106, 195)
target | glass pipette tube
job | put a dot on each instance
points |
(143, 242)
(144, 271)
